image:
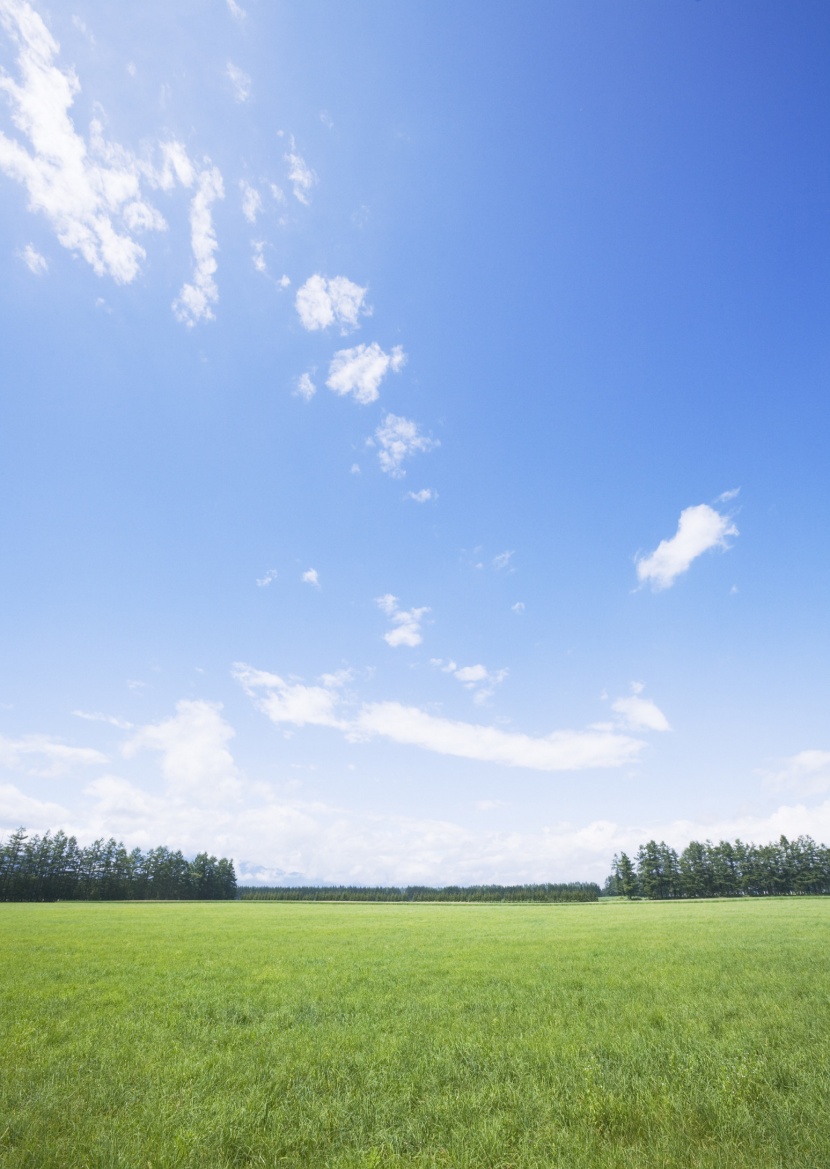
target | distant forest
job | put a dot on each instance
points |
(575, 891)
(726, 869)
(56, 868)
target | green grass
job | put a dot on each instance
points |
(270, 1034)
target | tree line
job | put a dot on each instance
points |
(726, 869)
(574, 891)
(56, 868)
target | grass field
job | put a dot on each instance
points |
(274, 1034)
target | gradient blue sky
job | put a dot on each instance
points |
(414, 429)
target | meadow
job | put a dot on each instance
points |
(210, 1035)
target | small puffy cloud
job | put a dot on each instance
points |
(355, 469)
(305, 387)
(807, 774)
(301, 177)
(503, 559)
(258, 256)
(284, 282)
(699, 529)
(322, 302)
(264, 581)
(195, 300)
(359, 371)
(33, 260)
(311, 577)
(251, 201)
(425, 495)
(290, 702)
(399, 438)
(240, 82)
(406, 623)
(640, 714)
(519, 607)
(477, 679)
(44, 756)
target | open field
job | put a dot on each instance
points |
(246, 1034)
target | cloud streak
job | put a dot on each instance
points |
(301, 705)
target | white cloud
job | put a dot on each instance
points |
(477, 679)
(301, 705)
(560, 751)
(326, 119)
(195, 300)
(359, 371)
(406, 622)
(301, 177)
(807, 773)
(240, 82)
(284, 281)
(322, 302)
(290, 702)
(89, 191)
(258, 256)
(502, 560)
(251, 201)
(425, 495)
(194, 750)
(305, 387)
(264, 581)
(399, 438)
(45, 756)
(97, 717)
(699, 529)
(33, 260)
(236, 12)
(311, 577)
(726, 496)
(519, 607)
(17, 808)
(640, 714)
(355, 469)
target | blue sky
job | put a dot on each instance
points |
(414, 430)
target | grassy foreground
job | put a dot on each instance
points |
(274, 1034)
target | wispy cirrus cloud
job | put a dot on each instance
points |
(251, 201)
(699, 529)
(34, 261)
(301, 176)
(240, 82)
(44, 756)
